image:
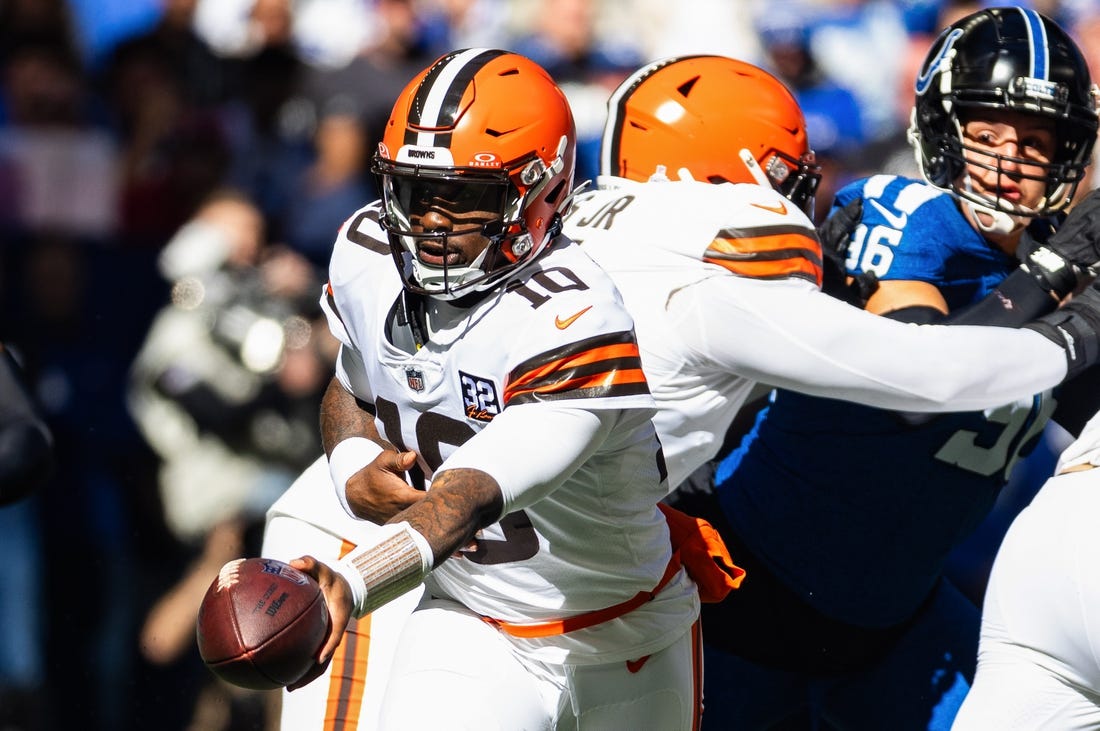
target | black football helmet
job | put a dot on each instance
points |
(1006, 58)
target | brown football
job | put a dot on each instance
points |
(261, 623)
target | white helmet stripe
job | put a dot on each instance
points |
(436, 102)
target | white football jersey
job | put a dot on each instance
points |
(556, 336)
(659, 239)
(723, 284)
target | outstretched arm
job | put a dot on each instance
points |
(793, 336)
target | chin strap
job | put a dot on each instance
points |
(1003, 223)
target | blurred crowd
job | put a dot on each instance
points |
(172, 175)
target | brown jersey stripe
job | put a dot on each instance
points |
(594, 360)
(330, 298)
(774, 256)
(610, 365)
(780, 269)
(349, 671)
(753, 232)
(355, 236)
(630, 382)
(765, 245)
(586, 363)
(625, 337)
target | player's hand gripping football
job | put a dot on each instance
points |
(339, 600)
(1070, 256)
(379, 491)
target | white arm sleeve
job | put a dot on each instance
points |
(791, 335)
(531, 449)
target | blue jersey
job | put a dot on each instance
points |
(854, 508)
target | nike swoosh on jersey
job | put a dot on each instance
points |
(635, 665)
(781, 209)
(562, 324)
(894, 219)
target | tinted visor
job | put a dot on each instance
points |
(411, 195)
(418, 196)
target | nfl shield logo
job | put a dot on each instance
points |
(415, 378)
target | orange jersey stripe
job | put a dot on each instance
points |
(562, 365)
(697, 674)
(769, 253)
(330, 298)
(598, 385)
(349, 672)
(773, 269)
(606, 365)
(751, 242)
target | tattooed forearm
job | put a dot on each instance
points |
(344, 416)
(459, 503)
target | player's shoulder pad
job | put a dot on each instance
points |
(572, 338)
(760, 234)
(361, 242)
(747, 205)
(892, 199)
(568, 295)
(362, 231)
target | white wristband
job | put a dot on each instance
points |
(396, 560)
(355, 580)
(347, 458)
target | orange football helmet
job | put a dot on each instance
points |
(720, 119)
(488, 130)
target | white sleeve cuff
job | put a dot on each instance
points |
(347, 458)
(396, 561)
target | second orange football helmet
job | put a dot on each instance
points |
(721, 119)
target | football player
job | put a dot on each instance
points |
(1037, 659)
(501, 357)
(845, 514)
(723, 279)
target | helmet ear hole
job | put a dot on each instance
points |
(554, 194)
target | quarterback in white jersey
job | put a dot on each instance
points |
(501, 356)
(511, 370)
